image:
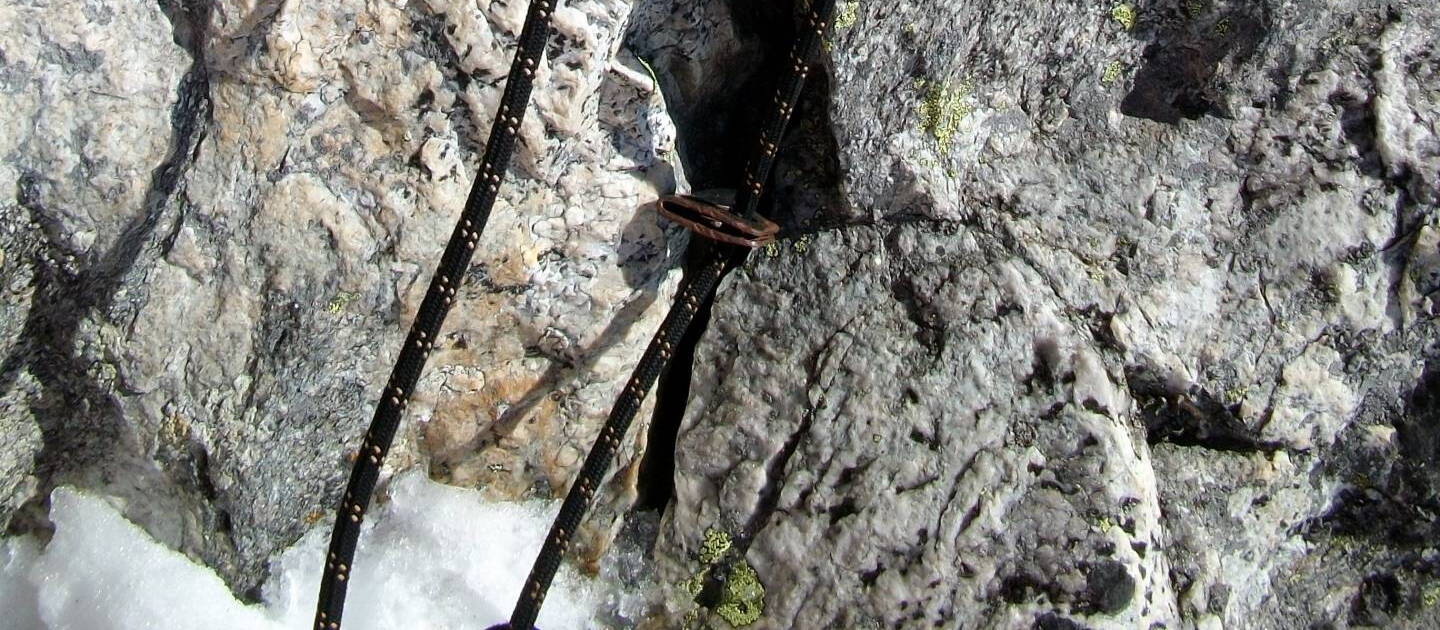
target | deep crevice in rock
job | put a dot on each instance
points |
(711, 123)
(1379, 597)
(656, 483)
(718, 99)
(1190, 418)
(715, 133)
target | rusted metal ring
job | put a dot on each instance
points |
(716, 222)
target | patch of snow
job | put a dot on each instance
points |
(432, 556)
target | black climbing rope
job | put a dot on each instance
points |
(723, 255)
(657, 354)
(809, 34)
(436, 305)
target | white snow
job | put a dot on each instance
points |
(433, 556)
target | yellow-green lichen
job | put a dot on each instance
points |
(1112, 72)
(695, 583)
(1235, 395)
(942, 107)
(1194, 8)
(801, 245)
(1223, 27)
(692, 619)
(744, 599)
(715, 545)
(1125, 14)
(1430, 594)
(847, 14)
(339, 302)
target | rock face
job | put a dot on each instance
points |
(1124, 318)
(86, 146)
(218, 226)
(1087, 315)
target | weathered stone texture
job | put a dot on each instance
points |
(1112, 326)
(1087, 315)
(86, 92)
(322, 153)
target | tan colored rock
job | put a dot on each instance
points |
(271, 289)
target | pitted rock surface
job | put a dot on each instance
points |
(1114, 325)
(1102, 315)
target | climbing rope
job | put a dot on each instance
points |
(742, 225)
(436, 305)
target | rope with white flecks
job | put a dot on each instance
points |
(436, 305)
(695, 292)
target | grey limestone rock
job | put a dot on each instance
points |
(1085, 314)
(87, 91)
(1104, 316)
